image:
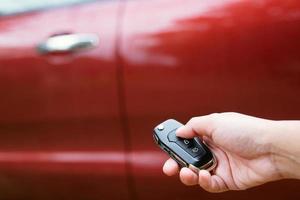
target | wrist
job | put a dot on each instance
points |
(284, 141)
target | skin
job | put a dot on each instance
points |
(250, 151)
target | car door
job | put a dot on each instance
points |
(189, 58)
(60, 128)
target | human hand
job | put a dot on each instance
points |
(242, 147)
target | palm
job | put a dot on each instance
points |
(238, 171)
(242, 161)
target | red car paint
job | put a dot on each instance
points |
(190, 58)
(60, 127)
(79, 126)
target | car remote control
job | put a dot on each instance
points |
(191, 153)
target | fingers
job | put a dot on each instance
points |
(198, 126)
(170, 167)
(188, 177)
(211, 183)
(208, 182)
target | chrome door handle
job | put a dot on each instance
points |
(68, 43)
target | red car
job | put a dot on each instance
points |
(83, 83)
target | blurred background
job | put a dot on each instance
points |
(84, 82)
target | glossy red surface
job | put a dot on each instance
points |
(60, 127)
(191, 57)
(79, 126)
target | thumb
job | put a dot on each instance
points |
(197, 126)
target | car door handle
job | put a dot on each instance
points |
(68, 43)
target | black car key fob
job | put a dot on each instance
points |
(191, 153)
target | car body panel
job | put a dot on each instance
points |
(190, 58)
(67, 119)
(60, 126)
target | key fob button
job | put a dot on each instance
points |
(185, 143)
(195, 150)
(172, 136)
(191, 147)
